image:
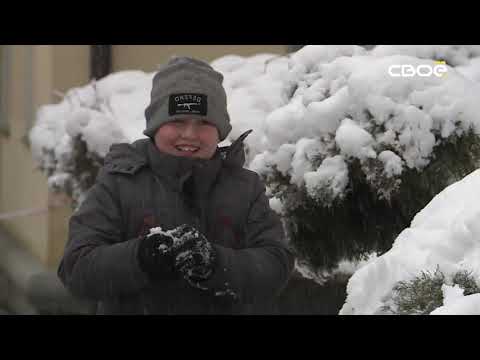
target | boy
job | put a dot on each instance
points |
(174, 224)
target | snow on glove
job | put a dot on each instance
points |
(182, 250)
(194, 255)
(195, 259)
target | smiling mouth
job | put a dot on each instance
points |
(187, 149)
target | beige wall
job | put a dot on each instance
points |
(22, 187)
(71, 69)
(148, 57)
(72, 66)
(35, 72)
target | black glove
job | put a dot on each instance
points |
(194, 255)
(153, 257)
(183, 250)
(195, 260)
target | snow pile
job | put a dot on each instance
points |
(459, 305)
(445, 235)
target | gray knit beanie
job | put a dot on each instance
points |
(187, 87)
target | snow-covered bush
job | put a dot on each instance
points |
(444, 237)
(71, 138)
(349, 153)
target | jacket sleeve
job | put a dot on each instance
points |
(98, 264)
(260, 271)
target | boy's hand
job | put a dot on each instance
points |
(194, 255)
(154, 258)
(183, 250)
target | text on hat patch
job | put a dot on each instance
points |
(187, 104)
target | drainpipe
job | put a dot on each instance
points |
(100, 61)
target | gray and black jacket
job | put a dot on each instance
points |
(139, 188)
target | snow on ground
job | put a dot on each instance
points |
(465, 305)
(445, 234)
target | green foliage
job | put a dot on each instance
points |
(363, 221)
(419, 296)
(423, 294)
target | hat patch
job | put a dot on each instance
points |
(187, 104)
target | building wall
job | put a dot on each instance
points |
(22, 187)
(71, 68)
(34, 72)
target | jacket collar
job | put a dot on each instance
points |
(130, 158)
(177, 169)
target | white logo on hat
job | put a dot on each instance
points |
(188, 105)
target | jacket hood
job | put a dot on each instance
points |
(234, 155)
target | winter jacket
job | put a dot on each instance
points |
(139, 188)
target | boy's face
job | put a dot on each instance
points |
(187, 137)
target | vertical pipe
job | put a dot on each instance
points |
(100, 61)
